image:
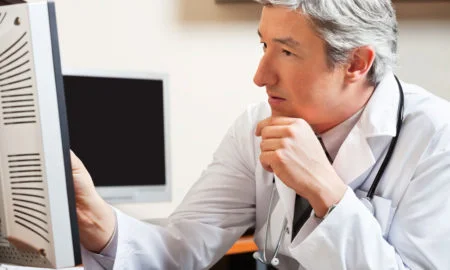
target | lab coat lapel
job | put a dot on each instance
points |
(354, 157)
(287, 198)
(379, 118)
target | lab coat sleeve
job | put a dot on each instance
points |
(217, 210)
(419, 236)
(104, 259)
(94, 261)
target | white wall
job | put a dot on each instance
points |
(424, 44)
(210, 52)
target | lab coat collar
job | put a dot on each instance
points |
(379, 118)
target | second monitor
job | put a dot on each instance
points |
(118, 127)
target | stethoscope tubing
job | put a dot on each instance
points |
(392, 145)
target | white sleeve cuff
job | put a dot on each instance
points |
(105, 259)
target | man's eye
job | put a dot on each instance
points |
(287, 53)
(264, 46)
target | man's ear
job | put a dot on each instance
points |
(361, 60)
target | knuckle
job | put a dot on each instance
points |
(280, 158)
(263, 133)
(259, 126)
(262, 145)
(271, 121)
(262, 158)
(303, 124)
(278, 155)
(284, 143)
(300, 121)
(290, 131)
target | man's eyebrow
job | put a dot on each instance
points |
(288, 41)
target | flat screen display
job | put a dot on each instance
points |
(116, 127)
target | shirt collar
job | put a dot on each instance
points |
(333, 138)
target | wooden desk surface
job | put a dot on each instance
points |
(243, 245)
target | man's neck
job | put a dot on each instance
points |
(357, 97)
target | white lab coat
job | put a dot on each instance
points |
(410, 229)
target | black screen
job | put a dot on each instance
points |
(116, 127)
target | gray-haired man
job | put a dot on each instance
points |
(335, 118)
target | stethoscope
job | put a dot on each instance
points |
(367, 201)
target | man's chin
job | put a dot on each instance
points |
(278, 112)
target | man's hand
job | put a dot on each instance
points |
(96, 219)
(291, 150)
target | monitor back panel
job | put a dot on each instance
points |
(37, 212)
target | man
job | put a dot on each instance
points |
(313, 151)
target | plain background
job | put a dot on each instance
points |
(210, 52)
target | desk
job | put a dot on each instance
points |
(244, 244)
(17, 267)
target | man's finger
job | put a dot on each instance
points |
(273, 121)
(76, 162)
(282, 120)
(265, 159)
(273, 132)
(262, 124)
(272, 144)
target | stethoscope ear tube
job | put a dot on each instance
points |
(392, 145)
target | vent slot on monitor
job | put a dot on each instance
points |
(16, 89)
(28, 193)
(2, 17)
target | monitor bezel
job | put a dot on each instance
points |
(145, 193)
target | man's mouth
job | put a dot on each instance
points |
(275, 97)
(275, 100)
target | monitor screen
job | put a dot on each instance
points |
(117, 123)
(38, 224)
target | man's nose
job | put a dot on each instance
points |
(265, 74)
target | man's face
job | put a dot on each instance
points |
(294, 69)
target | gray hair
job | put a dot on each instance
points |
(347, 24)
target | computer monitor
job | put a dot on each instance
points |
(119, 128)
(38, 224)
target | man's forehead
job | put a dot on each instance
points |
(280, 23)
(282, 19)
